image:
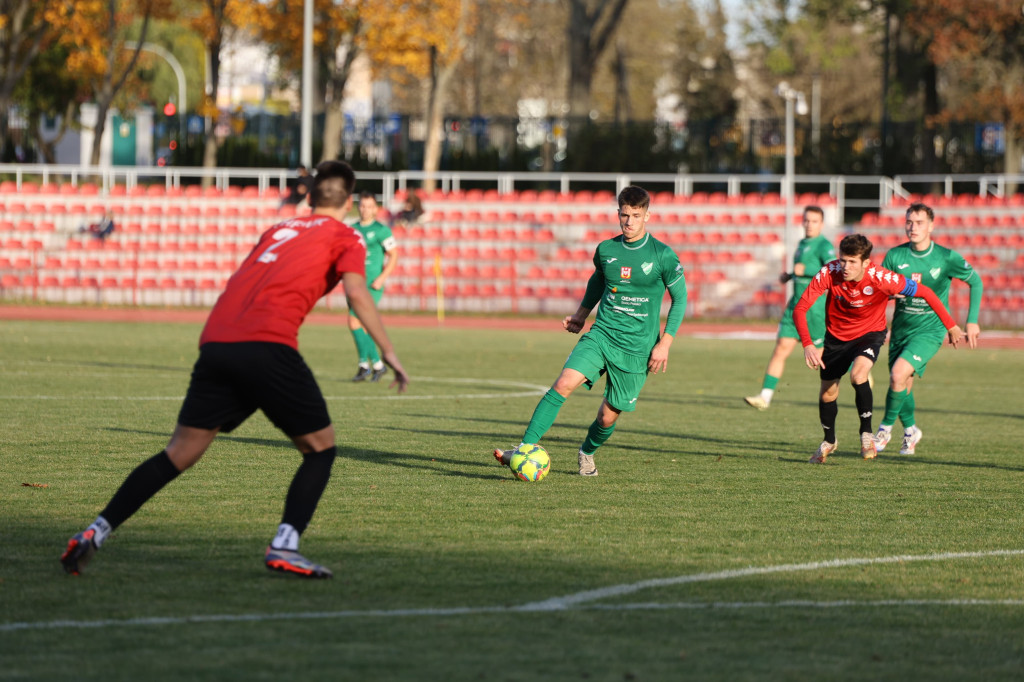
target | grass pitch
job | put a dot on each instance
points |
(702, 551)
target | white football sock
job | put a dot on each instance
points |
(767, 393)
(287, 538)
(378, 365)
(102, 528)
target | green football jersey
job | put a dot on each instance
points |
(633, 279)
(935, 268)
(814, 253)
(379, 240)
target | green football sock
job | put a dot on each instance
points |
(894, 401)
(597, 436)
(770, 382)
(364, 344)
(543, 416)
(373, 353)
(907, 411)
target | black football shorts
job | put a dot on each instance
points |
(838, 355)
(230, 381)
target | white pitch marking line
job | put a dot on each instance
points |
(559, 603)
(580, 599)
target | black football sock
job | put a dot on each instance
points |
(827, 413)
(864, 400)
(143, 483)
(307, 487)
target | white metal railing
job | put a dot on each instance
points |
(734, 184)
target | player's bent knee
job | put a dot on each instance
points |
(318, 441)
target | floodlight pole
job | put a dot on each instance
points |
(306, 116)
(792, 97)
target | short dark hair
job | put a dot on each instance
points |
(918, 207)
(333, 185)
(815, 209)
(634, 196)
(855, 245)
(367, 194)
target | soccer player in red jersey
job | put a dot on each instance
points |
(249, 360)
(855, 331)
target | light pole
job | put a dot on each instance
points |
(306, 116)
(794, 100)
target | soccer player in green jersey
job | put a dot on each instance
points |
(812, 253)
(917, 332)
(631, 274)
(381, 258)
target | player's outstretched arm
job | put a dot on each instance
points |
(361, 302)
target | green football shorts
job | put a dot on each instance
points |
(377, 294)
(594, 356)
(815, 322)
(917, 350)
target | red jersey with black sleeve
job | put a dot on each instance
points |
(293, 264)
(857, 308)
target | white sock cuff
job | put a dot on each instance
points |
(287, 538)
(102, 529)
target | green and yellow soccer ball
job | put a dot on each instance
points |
(530, 462)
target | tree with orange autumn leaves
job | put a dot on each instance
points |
(338, 38)
(95, 32)
(980, 48)
(417, 42)
(216, 22)
(24, 32)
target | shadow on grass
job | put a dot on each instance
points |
(185, 369)
(510, 439)
(736, 403)
(408, 460)
(904, 460)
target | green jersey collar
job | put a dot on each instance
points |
(636, 245)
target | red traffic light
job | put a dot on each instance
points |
(172, 145)
(170, 109)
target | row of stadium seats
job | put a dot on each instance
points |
(183, 260)
(1011, 219)
(963, 200)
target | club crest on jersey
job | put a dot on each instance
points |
(868, 290)
(625, 272)
(647, 267)
(934, 272)
(916, 276)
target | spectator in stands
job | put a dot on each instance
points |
(104, 228)
(411, 211)
(299, 191)
(917, 332)
(813, 252)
